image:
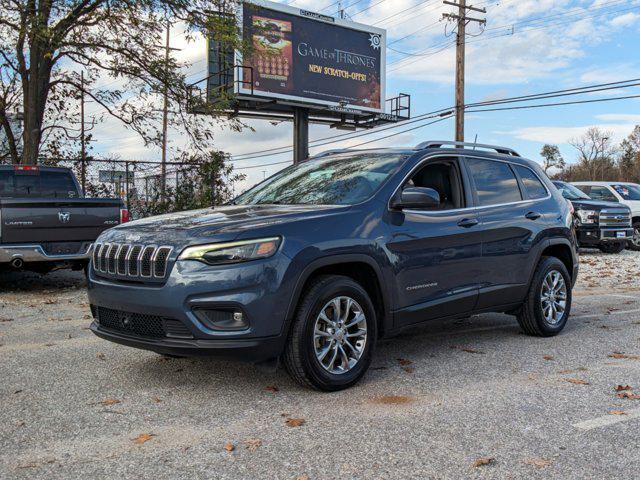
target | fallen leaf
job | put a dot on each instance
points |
(294, 422)
(393, 400)
(303, 477)
(4, 319)
(548, 357)
(252, 444)
(409, 369)
(143, 438)
(272, 389)
(157, 400)
(18, 391)
(481, 462)
(21, 423)
(27, 465)
(576, 381)
(622, 388)
(624, 356)
(101, 356)
(404, 362)
(51, 301)
(467, 349)
(537, 462)
(109, 401)
(229, 447)
(617, 412)
(629, 395)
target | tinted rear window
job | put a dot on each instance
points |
(495, 182)
(532, 184)
(37, 184)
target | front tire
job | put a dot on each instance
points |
(548, 303)
(634, 244)
(332, 339)
(612, 247)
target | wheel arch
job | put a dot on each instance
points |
(359, 267)
(563, 250)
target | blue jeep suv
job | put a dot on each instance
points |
(318, 262)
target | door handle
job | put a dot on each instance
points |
(533, 215)
(468, 222)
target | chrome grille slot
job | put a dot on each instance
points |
(122, 257)
(126, 261)
(615, 218)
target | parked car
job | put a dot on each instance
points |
(618, 192)
(603, 225)
(318, 262)
(45, 223)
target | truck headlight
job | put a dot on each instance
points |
(232, 252)
(587, 217)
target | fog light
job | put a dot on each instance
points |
(222, 320)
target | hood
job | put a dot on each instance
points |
(213, 224)
(596, 205)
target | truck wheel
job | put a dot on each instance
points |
(331, 342)
(548, 303)
(612, 247)
(634, 243)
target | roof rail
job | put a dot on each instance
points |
(473, 146)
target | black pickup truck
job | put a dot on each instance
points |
(45, 223)
(602, 225)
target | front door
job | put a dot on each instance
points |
(436, 251)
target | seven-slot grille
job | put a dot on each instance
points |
(131, 261)
(615, 218)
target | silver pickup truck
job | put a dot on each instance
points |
(45, 223)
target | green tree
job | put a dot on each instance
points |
(45, 45)
(551, 158)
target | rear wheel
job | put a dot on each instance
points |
(612, 247)
(548, 303)
(634, 243)
(333, 335)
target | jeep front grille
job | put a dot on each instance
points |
(615, 218)
(131, 261)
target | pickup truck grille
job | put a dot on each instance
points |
(134, 262)
(615, 218)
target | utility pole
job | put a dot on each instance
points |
(462, 20)
(165, 120)
(83, 148)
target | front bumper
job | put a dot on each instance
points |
(260, 290)
(596, 235)
(35, 253)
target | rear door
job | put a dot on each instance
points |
(513, 219)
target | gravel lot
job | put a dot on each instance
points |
(467, 399)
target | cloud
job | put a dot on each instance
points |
(625, 20)
(563, 135)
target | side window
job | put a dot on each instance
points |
(532, 184)
(585, 188)
(495, 182)
(602, 193)
(444, 178)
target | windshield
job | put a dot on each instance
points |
(335, 180)
(35, 183)
(628, 192)
(570, 192)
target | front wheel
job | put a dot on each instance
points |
(333, 335)
(612, 247)
(548, 303)
(634, 243)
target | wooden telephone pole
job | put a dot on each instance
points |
(462, 20)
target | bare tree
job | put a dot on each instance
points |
(44, 45)
(596, 153)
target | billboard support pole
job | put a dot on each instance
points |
(300, 134)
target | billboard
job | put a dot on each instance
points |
(312, 58)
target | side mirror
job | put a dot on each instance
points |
(417, 197)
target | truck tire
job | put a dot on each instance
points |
(548, 303)
(634, 244)
(612, 247)
(333, 335)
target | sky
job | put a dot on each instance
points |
(527, 47)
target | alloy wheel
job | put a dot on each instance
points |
(340, 335)
(553, 297)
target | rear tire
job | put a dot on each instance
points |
(548, 303)
(347, 340)
(634, 244)
(612, 247)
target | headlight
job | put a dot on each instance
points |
(587, 216)
(232, 252)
